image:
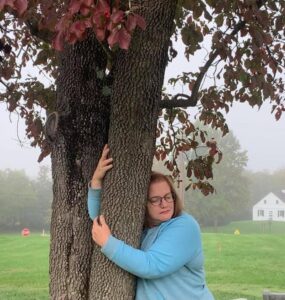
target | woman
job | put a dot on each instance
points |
(169, 264)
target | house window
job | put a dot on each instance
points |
(260, 213)
(281, 213)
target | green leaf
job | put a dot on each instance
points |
(219, 20)
(100, 74)
(186, 35)
(106, 91)
(188, 4)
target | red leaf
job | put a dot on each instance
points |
(102, 7)
(120, 36)
(117, 16)
(2, 4)
(157, 156)
(77, 28)
(131, 23)
(84, 10)
(278, 114)
(87, 2)
(124, 39)
(107, 14)
(191, 85)
(19, 5)
(220, 156)
(101, 13)
(113, 37)
(7, 2)
(213, 151)
(100, 34)
(74, 6)
(88, 23)
(189, 172)
(58, 41)
(64, 23)
(140, 21)
(135, 20)
(72, 38)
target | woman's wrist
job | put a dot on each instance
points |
(96, 183)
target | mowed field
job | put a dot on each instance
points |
(245, 265)
(24, 267)
(237, 266)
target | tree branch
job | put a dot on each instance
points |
(191, 101)
(43, 34)
(6, 85)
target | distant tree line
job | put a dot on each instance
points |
(264, 182)
(25, 202)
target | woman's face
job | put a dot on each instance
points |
(159, 211)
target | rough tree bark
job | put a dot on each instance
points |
(136, 92)
(81, 133)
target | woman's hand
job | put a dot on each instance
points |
(100, 231)
(103, 166)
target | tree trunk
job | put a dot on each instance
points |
(81, 133)
(138, 79)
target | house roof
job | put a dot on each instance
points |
(280, 195)
(270, 198)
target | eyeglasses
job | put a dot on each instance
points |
(157, 200)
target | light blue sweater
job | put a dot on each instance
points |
(169, 264)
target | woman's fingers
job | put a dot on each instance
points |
(108, 168)
(102, 220)
(103, 166)
(100, 231)
(105, 152)
(95, 222)
(107, 161)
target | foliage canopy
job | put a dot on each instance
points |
(244, 42)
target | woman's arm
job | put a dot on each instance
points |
(94, 191)
(93, 202)
(175, 246)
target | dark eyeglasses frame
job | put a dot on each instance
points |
(157, 200)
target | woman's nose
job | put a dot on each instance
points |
(163, 202)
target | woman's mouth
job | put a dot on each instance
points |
(165, 212)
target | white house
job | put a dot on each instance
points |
(270, 208)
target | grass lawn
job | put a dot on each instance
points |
(24, 267)
(250, 227)
(237, 266)
(243, 266)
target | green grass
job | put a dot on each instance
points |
(243, 266)
(250, 227)
(237, 266)
(23, 267)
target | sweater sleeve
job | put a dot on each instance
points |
(175, 245)
(93, 202)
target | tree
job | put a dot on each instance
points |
(106, 93)
(43, 190)
(17, 200)
(25, 202)
(231, 197)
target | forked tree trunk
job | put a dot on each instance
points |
(81, 133)
(138, 79)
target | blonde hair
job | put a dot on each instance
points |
(158, 177)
